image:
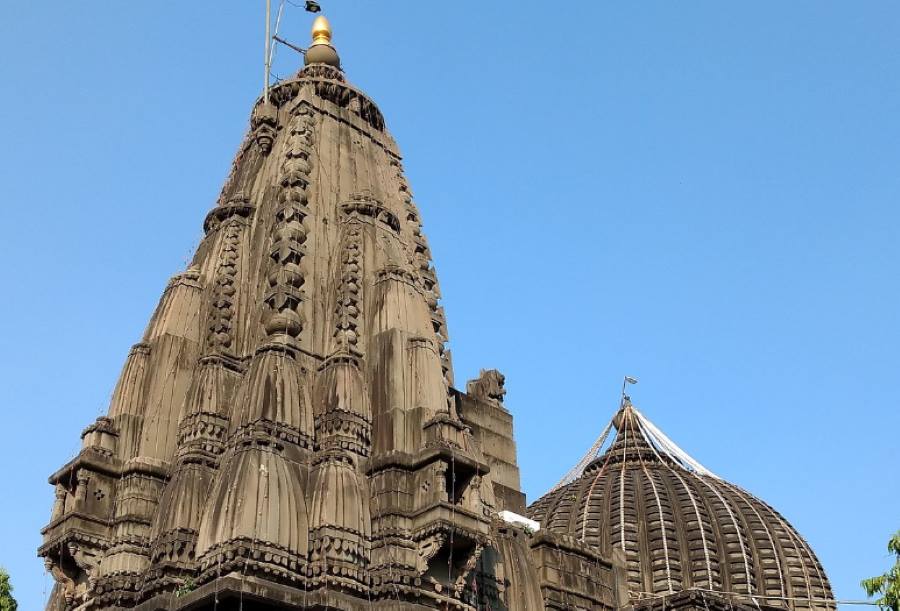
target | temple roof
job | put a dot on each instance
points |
(680, 526)
(290, 416)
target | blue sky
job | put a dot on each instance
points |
(703, 195)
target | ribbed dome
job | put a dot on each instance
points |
(682, 529)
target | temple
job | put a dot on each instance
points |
(287, 434)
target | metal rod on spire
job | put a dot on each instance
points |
(267, 56)
(289, 45)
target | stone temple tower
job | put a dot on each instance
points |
(287, 433)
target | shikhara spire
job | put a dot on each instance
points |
(286, 434)
(287, 423)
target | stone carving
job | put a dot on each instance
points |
(285, 275)
(322, 71)
(220, 335)
(420, 258)
(286, 433)
(59, 504)
(65, 583)
(86, 559)
(427, 548)
(364, 204)
(265, 118)
(348, 309)
(463, 579)
(489, 386)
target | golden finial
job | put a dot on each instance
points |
(321, 51)
(321, 31)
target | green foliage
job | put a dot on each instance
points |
(185, 588)
(7, 602)
(887, 585)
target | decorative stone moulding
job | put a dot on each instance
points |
(263, 123)
(286, 435)
(237, 206)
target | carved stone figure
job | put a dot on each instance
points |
(489, 386)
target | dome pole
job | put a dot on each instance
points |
(625, 381)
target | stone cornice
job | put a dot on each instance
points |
(91, 459)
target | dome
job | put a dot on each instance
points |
(680, 526)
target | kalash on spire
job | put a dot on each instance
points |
(321, 51)
(287, 434)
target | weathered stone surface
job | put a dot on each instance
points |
(289, 415)
(678, 530)
(286, 435)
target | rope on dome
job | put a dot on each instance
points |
(737, 531)
(576, 471)
(700, 524)
(584, 517)
(650, 432)
(746, 500)
(662, 519)
(669, 447)
(659, 439)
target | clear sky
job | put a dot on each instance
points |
(703, 195)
